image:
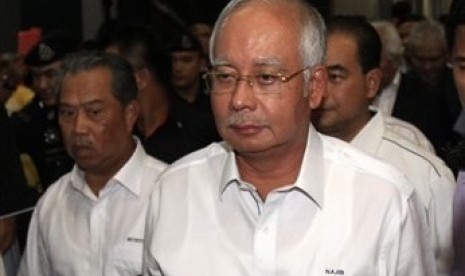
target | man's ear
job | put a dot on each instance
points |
(373, 81)
(317, 85)
(131, 114)
(142, 75)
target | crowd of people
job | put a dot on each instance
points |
(274, 142)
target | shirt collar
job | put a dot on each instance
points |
(393, 86)
(230, 172)
(311, 177)
(369, 137)
(129, 176)
(396, 81)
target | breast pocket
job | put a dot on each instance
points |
(126, 259)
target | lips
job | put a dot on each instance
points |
(318, 111)
(178, 78)
(81, 152)
(246, 129)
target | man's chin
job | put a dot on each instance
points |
(84, 163)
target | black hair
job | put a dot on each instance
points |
(401, 10)
(366, 37)
(414, 17)
(455, 18)
(140, 45)
(124, 85)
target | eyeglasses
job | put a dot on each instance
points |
(458, 62)
(225, 82)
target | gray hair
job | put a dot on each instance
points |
(390, 39)
(427, 30)
(124, 86)
(312, 42)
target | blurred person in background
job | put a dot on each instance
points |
(163, 132)
(202, 31)
(15, 196)
(391, 60)
(427, 97)
(36, 125)
(22, 95)
(188, 62)
(188, 65)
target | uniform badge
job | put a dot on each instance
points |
(45, 52)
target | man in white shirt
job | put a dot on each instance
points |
(91, 221)
(278, 198)
(345, 114)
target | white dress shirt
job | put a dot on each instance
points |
(347, 214)
(73, 232)
(433, 181)
(408, 131)
(386, 98)
(2, 268)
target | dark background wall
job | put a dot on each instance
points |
(52, 14)
(10, 21)
(18, 15)
(188, 10)
(169, 16)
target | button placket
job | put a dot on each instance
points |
(265, 237)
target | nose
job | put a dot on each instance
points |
(243, 96)
(175, 65)
(42, 82)
(80, 123)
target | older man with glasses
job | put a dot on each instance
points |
(277, 197)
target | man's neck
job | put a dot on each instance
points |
(151, 121)
(189, 93)
(272, 170)
(351, 131)
(97, 179)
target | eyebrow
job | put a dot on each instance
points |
(88, 103)
(267, 62)
(459, 59)
(44, 71)
(336, 67)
